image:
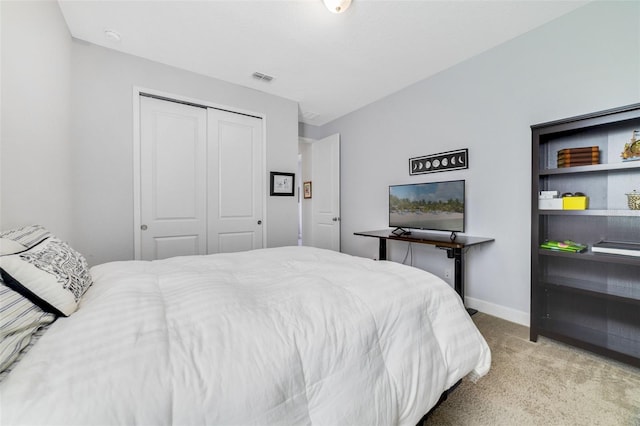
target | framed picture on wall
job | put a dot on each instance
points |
(306, 189)
(442, 162)
(282, 184)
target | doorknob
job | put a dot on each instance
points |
(259, 222)
(335, 219)
(143, 227)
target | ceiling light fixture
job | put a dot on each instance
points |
(337, 6)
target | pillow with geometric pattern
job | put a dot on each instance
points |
(50, 273)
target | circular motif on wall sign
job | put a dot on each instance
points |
(436, 163)
(427, 165)
(445, 162)
(453, 161)
(460, 159)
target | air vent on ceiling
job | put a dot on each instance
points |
(310, 115)
(263, 77)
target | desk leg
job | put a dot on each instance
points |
(382, 249)
(458, 259)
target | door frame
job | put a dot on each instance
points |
(138, 91)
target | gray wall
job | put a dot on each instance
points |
(35, 173)
(586, 61)
(67, 151)
(102, 137)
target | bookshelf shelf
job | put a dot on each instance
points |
(614, 291)
(591, 212)
(596, 168)
(593, 257)
(621, 348)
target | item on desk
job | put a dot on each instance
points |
(566, 245)
(633, 200)
(574, 201)
(617, 247)
(631, 150)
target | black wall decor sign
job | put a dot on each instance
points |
(442, 162)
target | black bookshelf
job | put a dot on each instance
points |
(590, 300)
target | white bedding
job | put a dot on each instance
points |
(287, 336)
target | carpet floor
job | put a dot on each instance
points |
(543, 383)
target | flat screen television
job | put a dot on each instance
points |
(434, 206)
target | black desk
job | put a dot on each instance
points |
(455, 249)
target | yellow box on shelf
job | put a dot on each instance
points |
(575, 203)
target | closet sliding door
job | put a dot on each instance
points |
(201, 180)
(235, 182)
(173, 170)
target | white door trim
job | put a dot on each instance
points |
(136, 93)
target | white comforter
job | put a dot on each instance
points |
(283, 336)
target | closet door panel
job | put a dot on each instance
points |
(235, 182)
(172, 179)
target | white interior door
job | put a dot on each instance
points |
(235, 181)
(325, 172)
(172, 179)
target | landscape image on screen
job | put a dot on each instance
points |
(435, 205)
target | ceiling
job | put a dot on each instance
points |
(331, 64)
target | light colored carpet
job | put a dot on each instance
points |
(543, 383)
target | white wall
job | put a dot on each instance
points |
(67, 134)
(35, 173)
(102, 137)
(586, 61)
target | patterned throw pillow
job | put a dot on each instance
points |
(19, 320)
(50, 273)
(28, 236)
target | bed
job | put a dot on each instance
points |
(283, 336)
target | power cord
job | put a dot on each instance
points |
(409, 252)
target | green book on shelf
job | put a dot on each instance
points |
(566, 245)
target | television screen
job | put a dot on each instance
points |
(437, 206)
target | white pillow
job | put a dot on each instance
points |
(28, 236)
(51, 274)
(8, 246)
(19, 319)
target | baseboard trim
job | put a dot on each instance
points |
(499, 311)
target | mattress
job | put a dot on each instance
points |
(282, 336)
